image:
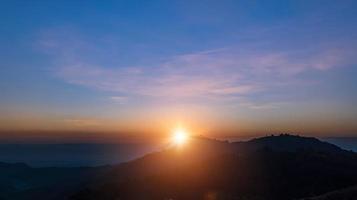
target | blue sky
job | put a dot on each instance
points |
(238, 67)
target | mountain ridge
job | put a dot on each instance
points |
(281, 167)
(237, 170)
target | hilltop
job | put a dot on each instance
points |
(274, 167)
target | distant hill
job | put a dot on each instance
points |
(271, 168)
(348, 143)
(291, 143)
(20, 181)
(349, 193)
(73, 155)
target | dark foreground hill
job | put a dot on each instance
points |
(349, 193)
(270, 168)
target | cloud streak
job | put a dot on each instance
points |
(219, 73)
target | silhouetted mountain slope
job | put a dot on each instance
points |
(275, 167)
(349, 193)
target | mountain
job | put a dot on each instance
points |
(349, 193)
(72, 154)
(271, 168)
(279, 167)
(291, 143)
(20, 181)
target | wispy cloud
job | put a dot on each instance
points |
(120, 99)
(218, 73)
(83, 122)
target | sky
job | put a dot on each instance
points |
(140, 68)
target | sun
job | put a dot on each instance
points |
(179, 137)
